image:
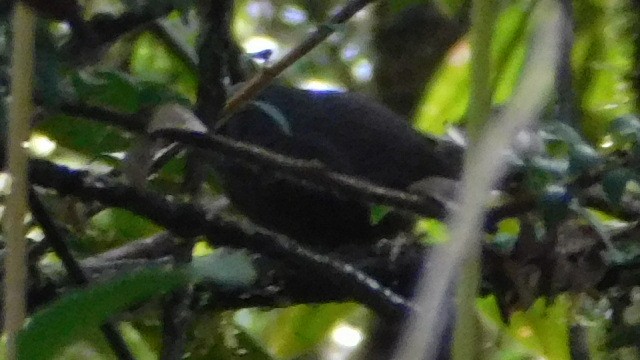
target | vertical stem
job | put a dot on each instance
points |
(467, 332)
(564, 82)
(21, 109)
(484, 14)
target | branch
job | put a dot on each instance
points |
(302, 172)
(104, 28)
(313, 174)
(278, 286)
(135, 123)
(262, 80)
(56, 240)
(188, 221)
(307, 173)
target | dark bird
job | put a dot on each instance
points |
(350, 134)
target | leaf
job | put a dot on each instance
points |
(542, 171)
(554, 204)
(625, 253)
(446, 97)
(564, 132)
(508, 231)
(231, 269)
(107, 88)
(583, 157)
(625, 129)
(615, 182)
(551, 324)
(84, 136)
(510, 226)
(152, 60)
(543, 330)
(432, 231)
(625, 125)
(113, 226)
(446, 100)
(378, 212)
(602, 62)
(51, 329)
(298, 329)
(217, 336)
(490, 314)
(153, 94)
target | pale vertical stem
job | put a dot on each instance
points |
(424, 328)
(20, 112)
(467, 332)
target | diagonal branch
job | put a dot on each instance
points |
(262, 80)
(55, 238)
(188, 221)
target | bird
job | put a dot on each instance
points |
(349, 133)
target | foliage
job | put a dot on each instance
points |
(582, 183)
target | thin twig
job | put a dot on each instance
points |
(56, 240)
(262, 80)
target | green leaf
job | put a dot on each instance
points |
(510, 226)
(110, 89)
(490, 314)
(446, 100)
(554, 204)
(297, 330)
(543, 330)
(432, 231)
(153, 94)
(625, 125)
(221, 339)
(507, 235)
(231, 269)
(615, 183)
(625, 253)
(378, 212)
(84, 136)
(153, 61)
(111, 227)
(602, 62)
(446, 97)
(551, 323)
(51, 329)
(542, 171)
(564, 132)
(582, 157)
(625, 129)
